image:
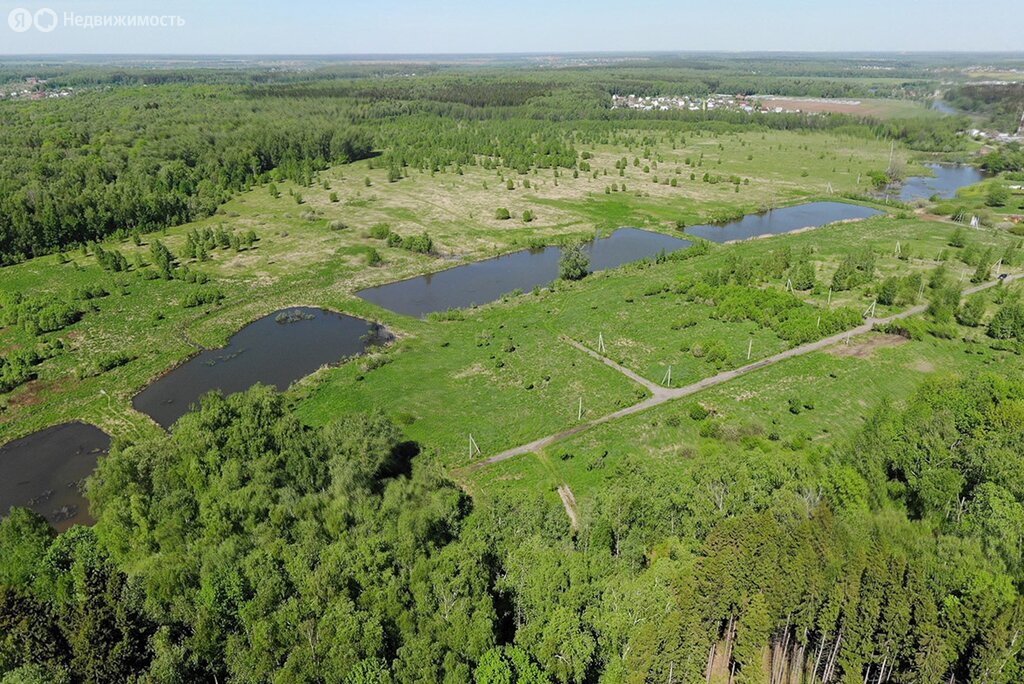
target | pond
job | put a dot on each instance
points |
(947, 180)
(481, 282)
(275, 350)
(45, 472)
(785, 220)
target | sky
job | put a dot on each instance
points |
(300, 27)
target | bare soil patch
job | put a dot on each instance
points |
(815, 105)
(865, 347)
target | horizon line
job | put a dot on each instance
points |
(531, 53)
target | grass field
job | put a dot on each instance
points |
(506, 360)
(749, 421)
(874, 107)
(439, 379)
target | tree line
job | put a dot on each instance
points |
(83, 168)
(245, 546)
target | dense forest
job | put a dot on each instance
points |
(83, 168)
(140, 150)
(247, 546)
(1002, 104)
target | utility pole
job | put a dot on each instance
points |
(870, 311)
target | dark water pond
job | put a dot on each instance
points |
(785, 220)
(947, 180)
(45, 472)
(275, 350)
(485, 281)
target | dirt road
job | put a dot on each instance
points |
(660, 395)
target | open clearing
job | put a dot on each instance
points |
(857, 106)
(302, 258)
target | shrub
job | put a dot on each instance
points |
(202, 295)
(574, 263)
(957, 239)
(943, 305)
(16, 368)
(997, 196)
(971, 311)
(804, 277)
(502, 214)
(421, 243)
(380, 231)
(54, 316)
(888, 291)
(1008, 323)
(698, 412)
(854, 270)
(111, 361)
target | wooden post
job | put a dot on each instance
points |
(474, 450)
(579, 414)
(750, 348)
(667, 380)
(830, 297)
(600, 342)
